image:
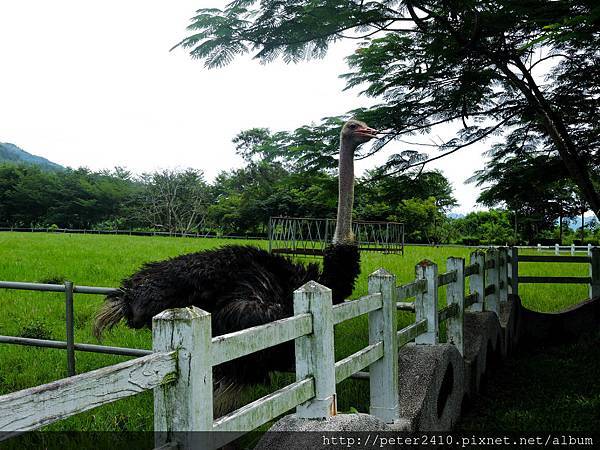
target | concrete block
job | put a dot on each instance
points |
(509, 322)
(483, 348)
(431, 387)
(348, 423)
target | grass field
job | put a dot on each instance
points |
(104, 260)
(551, 389)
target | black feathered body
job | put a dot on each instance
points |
(241, 286)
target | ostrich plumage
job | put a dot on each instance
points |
(244, 286)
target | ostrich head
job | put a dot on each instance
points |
(354, 133)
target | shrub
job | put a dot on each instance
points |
(36, 329)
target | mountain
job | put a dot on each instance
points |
(13, 154)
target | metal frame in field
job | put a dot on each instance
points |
(310, 235)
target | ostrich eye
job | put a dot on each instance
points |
(353, 126)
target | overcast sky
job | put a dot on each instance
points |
(87, 83)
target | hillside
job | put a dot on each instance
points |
(13, 154)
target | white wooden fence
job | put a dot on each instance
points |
(572, 249)
(592, 258)
(180, 369)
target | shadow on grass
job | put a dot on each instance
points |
(551, 389)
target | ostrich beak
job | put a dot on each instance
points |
(367, 131)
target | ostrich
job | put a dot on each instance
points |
(244, 286)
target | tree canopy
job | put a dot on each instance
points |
(485, 67)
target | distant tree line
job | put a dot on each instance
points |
(240, 202)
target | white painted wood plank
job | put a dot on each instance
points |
(491, 300)
(503, 274)
(315, 355)
(514, 270)
(411, 289)
(477, 280)
(455, 298)
(426, 304)
(354, 308)
(383, 380)
(447, 278)
(471, 299)
(409, 333)
(471, 269)
(447, 312)
(260, 411)
(358, 361)
(405, 306)
(594, 289)
(250, 340)
(35, 407)
(187, 404)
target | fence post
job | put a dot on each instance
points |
(455, 293)
(589, 252)
(556, 249)
(383, 380)
(477, 280)
(595, 273)
(426, 303)
(503, 274)
(572, 249)
(315, 352)
(185, 404)
(539, 247)
(490, 302)
(270, 231)
(514, 271)
(70, 328)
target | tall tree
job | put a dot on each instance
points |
(533, 186)
(172, 200)
(476, 63)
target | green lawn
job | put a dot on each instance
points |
(103, 260)
(552, 389)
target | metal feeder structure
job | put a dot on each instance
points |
(309, 235)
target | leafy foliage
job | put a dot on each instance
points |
(485, 227)
(535, 187)
(471, 64)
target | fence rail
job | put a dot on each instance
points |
(68, 288)
(593, 260)
(206, 235)
(184, 351)
(32, 408)
(557, 248)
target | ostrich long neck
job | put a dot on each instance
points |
(343, 228)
